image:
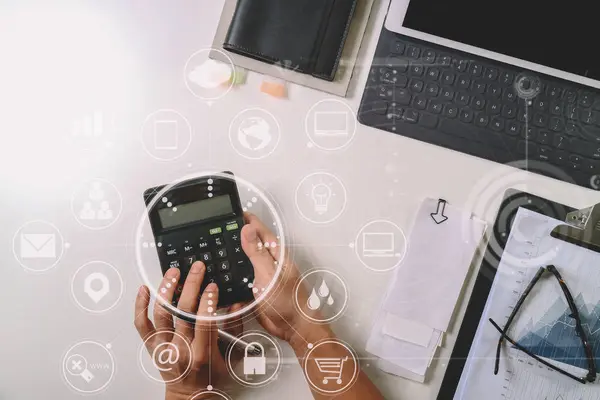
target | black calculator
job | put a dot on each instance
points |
(201, 220)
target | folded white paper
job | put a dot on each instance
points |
(428, 283)
(408, 331)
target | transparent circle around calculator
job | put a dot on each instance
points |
(400, 256)
(144, 354)
(238, 120)
(53, 256)
(167, 121)
(207, 94)
(106, 366)
(318, 136)
(116, 194)
(322, 299)
(250, 337)
(321, 201)
(330, 373)
(279, 231)
(113, 303)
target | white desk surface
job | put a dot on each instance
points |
(126, 59)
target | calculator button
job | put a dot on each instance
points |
(235, 237)
(211, 279)
(203, 245)
(237, 249)
(232, 226)
(216, 231)
(172, 252)
(210, 269)
(190, 260)
(226, 278)
(188, 248)
(224, 266)
(221, 253)
(205, 257)
(219, 240)
(174, 264)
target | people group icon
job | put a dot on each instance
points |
(96, 207)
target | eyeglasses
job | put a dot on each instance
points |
(591, 375)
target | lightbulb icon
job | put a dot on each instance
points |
(321, 195)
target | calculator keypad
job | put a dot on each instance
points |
(221, 251)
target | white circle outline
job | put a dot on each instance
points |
(263, 111)
(110, 378)
(114, 220)
(143, 351)
(314, 142)
(62, 246)
(330, 319)
(343, 191)
(405, 250)
(230, 367)
(595, 182)
(180, 115)
(354, 358)
(195, 396)
(185, 74)
(177, 312)
(118, 298)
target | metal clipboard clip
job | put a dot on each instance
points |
(582, 228)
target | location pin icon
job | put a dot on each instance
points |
(96, 295)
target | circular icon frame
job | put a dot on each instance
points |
(271, 116)
(65, 373)
(188, 126)
(347, 385)
(114, 304)
(314, 142)
(344, 193)
(187, 82)
(229, 362)
(397, 228)
(339, 313)
(116, 217)
(57, 258)
(143, 350)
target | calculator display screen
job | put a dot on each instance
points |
(195, 211)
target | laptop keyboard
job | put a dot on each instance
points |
(484, 108)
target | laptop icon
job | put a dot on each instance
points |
(331, 123)
(376, 244)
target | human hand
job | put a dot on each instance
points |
(205, 365)
(278, 313)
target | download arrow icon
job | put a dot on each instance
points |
(438, 216)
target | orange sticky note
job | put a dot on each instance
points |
(275, 89)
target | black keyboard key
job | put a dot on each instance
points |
(571, 129)
(509, 95)
(413, 52)
(188, 248)
(497, 124)
(479, 87)
(588, 117)
(524, 115)
(420, 102)
(462, 99)
(387, 76)
(586, 149)
(482, 120)
(560, 157)
(556, 108)
(395, 112)
(416, 69)
(596, 105)
(540, 104)
(591, 166)
(189, 260)
(385, 92)
(432, 89)
(461, 65)
(378, 107)
(401, 81)
(570, 95)
(586, 99)
(540, 120)
(174, 264)
(494, 107)
(398, 63)
(221, 253)
(448, 78)
(494, 90)
(450, 111)
(210, 269)
(463, 82)
(507, 78)
(428, 120)
(529, 133)
(572, 112)
(444, 60)
(478, 103)
(554, 92)
(513, 128)
(491, 74)
(435, 107)
(416, 85)
(545, 153)
(397, 47)
(171, 251)
(509, 111)
(544, 137)
(476, 69)
(226, 279)
(429, 56)
(224, 266)
(402, 96)
(575, 159)
(433, 73)
(556, 124)
(447, 94)
(560, 142)
(466, 115)
(203, 244)
(410, 116)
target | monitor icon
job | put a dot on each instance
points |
(331, 123)
(166, 134)
(378, 244)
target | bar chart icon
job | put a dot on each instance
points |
(89, 126)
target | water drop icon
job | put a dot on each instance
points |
(323, 289)
(314, 302)
(330, 301)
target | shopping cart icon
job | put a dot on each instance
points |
(331, 368)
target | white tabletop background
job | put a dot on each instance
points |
(62, 59)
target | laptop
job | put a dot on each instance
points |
(516, 82)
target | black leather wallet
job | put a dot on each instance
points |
(307, 36)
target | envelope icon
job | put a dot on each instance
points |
(38, 245)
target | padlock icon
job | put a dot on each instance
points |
(255, 365)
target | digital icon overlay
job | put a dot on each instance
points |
(38, 246)
(321, 198)
(330, 125)
(208, 79)
(88, 367)
(97, 287)
(380, 245)
(260, 359)
(166, 135)
(331, 375)
(159, 365)
(327, 295)
(97, 204)
(254, 133)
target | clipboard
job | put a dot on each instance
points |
(582, 228)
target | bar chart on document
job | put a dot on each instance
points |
(543, 324)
